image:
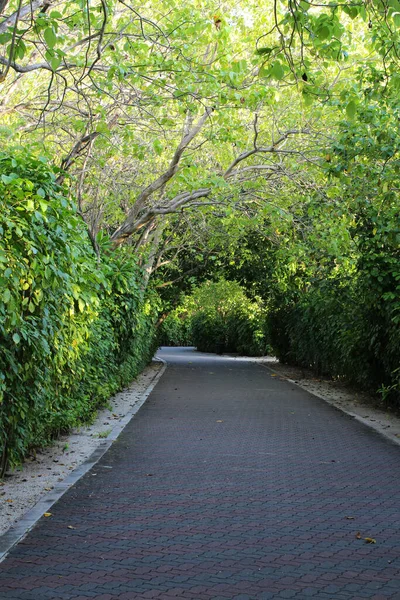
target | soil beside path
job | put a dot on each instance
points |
(228, 484)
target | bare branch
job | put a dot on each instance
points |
(175, 203)
(3, 4)
(131, 223)
(26, 10)
(29, 68)
(4, 74)
(77, 149)
(269, 149)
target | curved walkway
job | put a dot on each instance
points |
(229, 484)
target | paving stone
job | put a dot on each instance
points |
(228, 484)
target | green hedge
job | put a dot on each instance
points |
(176, 329)
(73, 331)
(340, 328)
(218, 317)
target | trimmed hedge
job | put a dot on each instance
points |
(218, 317)
(340, 329)
(73, 331)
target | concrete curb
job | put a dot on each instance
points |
(18, 531)
(355, 416)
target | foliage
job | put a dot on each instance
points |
(72, 331)
(342, 314)
(219, 317)
(252, 146)
(176, 329)
(336, 330)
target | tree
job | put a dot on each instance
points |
(126, 90)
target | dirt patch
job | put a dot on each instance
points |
(21, 489)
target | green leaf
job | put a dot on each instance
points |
(277, 71)
(5, 37)
(41, 192)
(158, 147)
(323, 33)
(55, 62)
(264, 51)
(16, 338)
(6, 296)
(351, 109)
(9, 178)
(50, 37)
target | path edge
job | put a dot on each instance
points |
(355, 416)
(20, 530)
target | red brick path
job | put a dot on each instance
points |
(228, 484)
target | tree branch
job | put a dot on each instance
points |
(131, 224)
(263, 150)
(3, 4)
(29, 68)
(25, 10)
(79, 147)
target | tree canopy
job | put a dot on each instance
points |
(196, 141)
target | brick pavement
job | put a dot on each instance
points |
(228, 484)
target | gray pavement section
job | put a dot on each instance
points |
(228, 483)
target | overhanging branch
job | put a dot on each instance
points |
(132, 224)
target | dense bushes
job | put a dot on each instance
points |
(218, 317)
(176, 328)
(344, 317)
(339, 328)
(72, 330)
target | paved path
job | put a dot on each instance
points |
(228, 484)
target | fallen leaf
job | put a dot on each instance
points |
(219, 421)
(370, 540)
(358, 535)
(47, 514)
(350, 518)
(274, 375)
(70, 527)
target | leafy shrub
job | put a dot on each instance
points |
(72, 331)
(219, 317)
(176, 329)
(339, 328)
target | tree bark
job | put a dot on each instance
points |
(25, 11)
(131, 223)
